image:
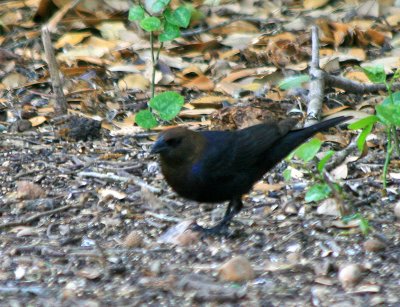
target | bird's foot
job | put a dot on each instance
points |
(218, 230)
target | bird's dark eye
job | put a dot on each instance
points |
(174, 142)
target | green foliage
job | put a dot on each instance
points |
(287, 174)
(158, 6)
(164, 106)
(363, 222)
(170, 32)
(168, 24)
(307, 151)
(167, 105)
(366, 124)
(294, 82)
(318, 192)
(150, 24)
(136, 13)
(321, 164)
(375, 74)
(180, 17)
(387, 113)
(146, 119)
(164, 24)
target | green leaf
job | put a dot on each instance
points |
(195, 14)
(389, 114)
(396, 74)
(294, 82)
(376, 73)
(136, 13)
(363, 136)
(287, 174)
(167, 104)
(364, 225)
(146, 119)
(395, 97)
(307, 151)
(324, 160)
(150, 24)
(182, 17)
(388, 111)
(317, 192)
(364, 122)
(170, 32)
(159, 6)
(350, 217)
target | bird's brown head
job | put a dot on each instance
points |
(177, 144)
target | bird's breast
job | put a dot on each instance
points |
(191, 182)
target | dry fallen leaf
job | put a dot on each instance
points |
(314, 4)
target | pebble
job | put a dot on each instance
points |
(133, 239)
(350, 275)
(397, 210)
(374, 245)
(236, 269)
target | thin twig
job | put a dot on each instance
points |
(317, 83)
(340, 156)
(60, 105)
(355, 87)
(127, 178)
(37, 216)
(343, 210)
(200, 30)
(164, 217)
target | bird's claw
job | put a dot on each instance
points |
(219, 230)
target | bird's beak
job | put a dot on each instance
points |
(159, 146)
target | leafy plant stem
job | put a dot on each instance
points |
(158, 51)
(338, 194)
(396, 140)
(389, 149)
(389, 89)
(153, 61)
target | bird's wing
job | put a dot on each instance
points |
(216, 158)
(227, 153)
(252, 143)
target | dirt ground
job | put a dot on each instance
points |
(64, 240)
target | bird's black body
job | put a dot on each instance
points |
(215, 166)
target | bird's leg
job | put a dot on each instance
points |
(234, 207)
(228, 209)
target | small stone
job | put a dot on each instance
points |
(291, 209)
(350, 275)
(397, 210)
(237, 269)
(155, 267)
(323, 268)
(188, 237)
(20, 126)
(179, 234)
(29, 190)
(329, 207)
(374, 245)
(89, 273)
(133, 239)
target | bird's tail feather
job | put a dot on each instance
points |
(326, 124)
(296, 137)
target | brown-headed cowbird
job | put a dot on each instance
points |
(215, 166)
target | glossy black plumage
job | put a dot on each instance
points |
(215, 166)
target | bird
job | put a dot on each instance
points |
(218, 166)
